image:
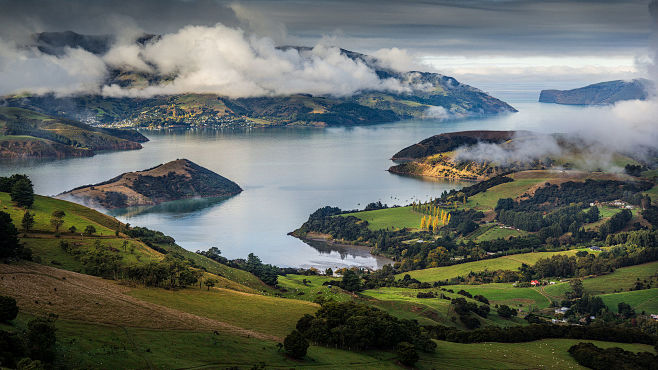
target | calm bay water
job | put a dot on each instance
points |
(286, 174)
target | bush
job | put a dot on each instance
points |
(589, 355)
(8, 308)
(41, 339)
(506, 312)
(406, 353)
(295, 344)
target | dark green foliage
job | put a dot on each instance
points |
(425, 295)
(352, 326)
(28, 221)
(465, 293)
(406, 353)
(8, 308)
(22, 192)
(9, 246)
(535, 331)
(375, 205)
(267, 273)
(625, 310)
(615, 223)
(12, 349)
(634, 169)
(506, 312)
(593, 357)
(295, 344)
(481, 298)
(651, 214)
(41, 339)
(171, 272)
(351, 281)
(90, 230)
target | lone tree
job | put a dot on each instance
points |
(90, 230)
(210, 282)
(8, 308)
(73, 229)
(57, 219)
(28, 221)
(9, 246)
(295, 344)
(22, 192)
(406, 353)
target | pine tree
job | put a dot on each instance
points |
(28, 221)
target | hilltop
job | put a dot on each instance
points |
(26, 134)
(427, 92)
(438, 156)
(601, 93)
(173, 180)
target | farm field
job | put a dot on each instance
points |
(313, 288)
(505, 293)
(544, 354)
(514, 189)
(263, 314)
(511, 262)
(622, 278)
(440, 307)
(394, 218)
(498, 232)
(88, 345)
(641, 300)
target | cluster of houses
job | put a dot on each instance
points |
(615, 203)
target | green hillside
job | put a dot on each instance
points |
(26, 133)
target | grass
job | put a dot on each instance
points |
(544, 354)
(83, 345)
(511, 262)
(312, 289)
(496, 232)
(394, 218)
(435, 309)
(514, 189)
(43, 243)
(641, 300)
(622, 278)
(505, 293)
(76, 215)
(269, 315)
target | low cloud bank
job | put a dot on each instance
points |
(199, 59)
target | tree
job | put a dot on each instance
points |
(9, 246)
(41, 339)
(56, 219)
(295, 344)
(506, 311)
(28, 221)
(210, 282)
(8, 308)
(22, 192)
(576, 289)
(90, 230)
(73, 229)
(329, 272)
(406, 353)
(351, 281)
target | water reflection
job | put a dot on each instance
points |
(178, 208)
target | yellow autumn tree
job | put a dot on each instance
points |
(422, 222)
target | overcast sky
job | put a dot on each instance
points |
(482, 42)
